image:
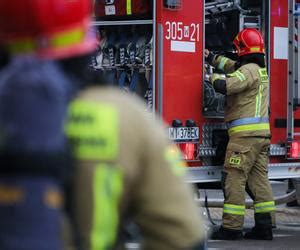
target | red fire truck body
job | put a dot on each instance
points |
(183, 30)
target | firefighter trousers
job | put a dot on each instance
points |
(246, 164)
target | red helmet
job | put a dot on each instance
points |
(249, 41)
(50, 28)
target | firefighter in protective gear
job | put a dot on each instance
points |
(246, 86)
(123, 166)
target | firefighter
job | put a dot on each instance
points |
(246, 86)
(123, 165)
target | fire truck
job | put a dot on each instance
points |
(182, 96)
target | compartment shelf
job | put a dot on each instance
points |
(122, 22)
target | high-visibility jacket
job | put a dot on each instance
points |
(125, 166)
(247, 98)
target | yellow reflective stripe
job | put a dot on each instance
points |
(264, 79)
(60, 39)
(67, 38)
(128, 7)
(255, 49)
(264, 207)
(93, 130)
(249, 127)
(21, 46)
(174, 158)
(263, 74)
(222, 63)
(258, 100)
(234, 209)
(239, 75)
(107, 189)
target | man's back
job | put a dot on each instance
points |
(126, 167)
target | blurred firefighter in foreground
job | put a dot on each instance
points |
(246, 86)
(123, 164)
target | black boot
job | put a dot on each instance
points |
(226, 234)
(262, 229)
(260, 233)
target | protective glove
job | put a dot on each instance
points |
(209, 56)
(215, 77)
(218, 82)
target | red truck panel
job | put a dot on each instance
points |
(182, 60)
(278, 71)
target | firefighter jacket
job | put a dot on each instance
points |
(124, 166)
(247, 98)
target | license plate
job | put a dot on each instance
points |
(184, 133)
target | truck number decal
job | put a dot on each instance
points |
(183, 37)
(178, 31)
(195, 36)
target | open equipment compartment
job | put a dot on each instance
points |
(223, 20)
(125, 56)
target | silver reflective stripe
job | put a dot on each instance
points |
(249, 120)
